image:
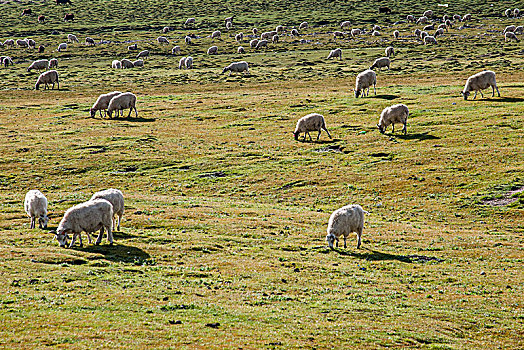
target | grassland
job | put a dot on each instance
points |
(226, 214)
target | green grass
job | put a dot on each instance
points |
(226, 214)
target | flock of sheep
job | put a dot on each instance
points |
(99, 212)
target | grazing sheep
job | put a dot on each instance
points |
(9, 42)
(396, 34)
(262, 43)
(229, 19)
(41, 49)
(423, 34)
(311, 122)
(189, 21)
(229, 25)
(39, 65)
(393, 114)
(510, 36)
(27, 12)
(345, 24)
(384, 9)
(90, 41)
(466, 17)
(294, 32)
(142, 54)
(133, 47)
(213, 50)
(429, 39)
(253, 43)
(344, 221)
(241, 50)
(69, 17)
(303, 25)
(53, 63)
(445, 18)
(429, 27)
(72, 38)
(381, 62)
(49, 77)
(176, 50)
(364, 80)
(390, 51)
(182, 63)
(422, 20)
(335, 53)
(375, 33)
(255, 31)
(268, 35)
(337, 33)
(116, 198)
(121, 102)
(510, 28)
(443, 26)
(35, 205)
(102, 102)
(126, 63)
(166, 30)
(457, 18)
(279, 29)
(116, 64)
(439, 32)
(22, 43)
(417, 32)
(410, 18)
(480, 81)
(449, 24)
(428, 14)
(162, 40)
(238, 67)
(30, 42)
(138, 63)
(376, 27)
(89, 216)
(189, 62)
(216, 34)
(62, 47)
(6, 61)
(355, 32)
(507, 13)
(239, 37)
(187, 40)
(516, 13)
(275, 39)
(519, 30)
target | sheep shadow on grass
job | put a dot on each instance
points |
(372, 255)
(135, 119)
(504, 99)
(419, 136)
(117, 252)
(387, 97)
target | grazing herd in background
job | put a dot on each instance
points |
(100, 211)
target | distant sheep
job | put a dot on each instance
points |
(396, 34)
(275, 39)
(126, 64)
(62, 47)
(102, 102)
(345, 24)
(240, 49)
(390, 51)
(69, 17)
(355, 32)
(519, 30)
(216, 34)
(381, 63)
(27, 12)
(255, 31)
(384, 9)
(41, 49)
(239, 37)
(182, 63)
(335, 53)
(508, 13)
(375, 33)
(343, 222)
(439, 32)
(138, 63)
(510, 28)
(365, 80)
(31, 43)
(187, 40)
(9, 42)
(516, 13)
(238, 67)
(39, 65)
(410, 18)
(22, 43)
(162, 40)
(510, 36)
(457, 18)
(422, 20)
(116, 198)
(279, 29)
(337, 33)
(46, 78)
(229, 25)
(423, 34)
(428, 14)
(72, 38)
(429, 39)
(116, 64)
(262, 43)
(189, 62)
(303, 25)
(176, 50)
(428, 27)
(166, 30)
(213, 50)
(53, 63)
(133, 47)
(189, 21)
(294, 32)
(253, 43)
(466, 17)
(311, 122)
(417, 32)
(143, 54)
(35, 205)
(391, 115)
(121, 102)
(268, 35)
(6, 61)
(480, 81)
(90, 41)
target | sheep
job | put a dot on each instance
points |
(39, 64)
(457, 18)
(364, 80)
(72, 38)
(445, 18)
(417, 32)
(345, 24)
(41, 49)
(176, 50)
(429, 39)
(507, 13)
(398, 113)
(510, 28)
(390, 51)
(336, 34)
(90, 41)
(238, 67)
(279, 28)
(303, 25)
(429, 27)
(69, 17)
(428, 14)
(376, 27)
(255, 31)
(239, 37)
(253, 43)
(261, 43)
(439, 32)
(166, 30)
(335, 53)
(294, 32)
(213, 50)
(466, 17)
(269, 35)
(355, 32)
(189, 62)
(422, 20)
(116, 64)
(229, 25)
(126, 63)
(143, 54)
(344, 221)
(49, 77)
(375, 33)
(396, 34)
(423, 34)
(89, 216)
(9, 42)
(275, 39)
(31, 43)
(6, 61)
(53, 63)
(480, 81)
(35, 205)
(182, 63)
(62, 47)
(189, 21)
(216, 34)
(22, 43)
(510, 36)
(102, 103)
(384, 9)
(519, 30)
(449, 24)
(516, 13)
(381, 62)
(133, 47)
(116, 198)
(162, 40)
(121, 102)
(229, 19)
(240, 49)
(187, 40)
(443, 26)
(311, 122)
(27, 12)
(410, 18)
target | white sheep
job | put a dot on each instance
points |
(443, 26)
(510, 36)
(30, 42)
(390, 51)
(90, 41)
(102, 103)
(6, 61)
(238, 67)
(39, 65)
(466, 17)
(116, 64)
(89, 217)
(166, 30)
(261, 43)
(116, 198)
(398, 113)
(311, 122)
(423, 34)
(457, 18)
(121, 102)
(62, 47)
(410, 18)
(268, 35)
(126, 63)
(345, 24)
(428, 27)
(396, 34)
(337, 33)
(381, 62)
(72, 38)
(189, 62)
(279, 29)
(53, 63)
(162, 40)
(422, 20)
(417, 32)
(303, 25)
(240, 49)
(364, 80)
(294, 32)
(229, 25)
(355, 32)
(187, 40)
(428, 14)
(9, 42)
(22, 43)
(519, 30)
(216, 34)
(254, 31)
(516, 13)
(343, 222)
(376, 27)
(239, 37)
(439, 32)
(507, 13)
(35, 205)
(182, 63)
(510, 28)
(132, 47)
(480, 81)
(375, 33)
(335, 53)
(213, 50)
(429, 39)
(189, 21)
(143, 54)
(253, 43)
(176, 50)
(49, 77)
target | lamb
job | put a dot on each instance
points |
(253, 43)
(239, 37)
(39, 64)
(49, 77)
(241, 50)
(480, 81)
(102, 102)
(182, 63)
(53, 63)
(311, 122)
(275, 39)
(344, 221)
(213, 50)
(381, 62)
(337, 33)
(187, 40)
(133, 47)
(216, 34)
(238, 67)
(35, 205)
(116, 64)
(116, 198)
(89, 216)
(303, 25)
(176, 50)
(189, 21)
(62, 47)
(410, 18)
(429, 39)
(41, 19)
(365, 80)
(22, 43)
(121, 102)
(396, 34)
(189, 62)
(126, 63)
(279, 28)
(162, 40)
(390, 51)
(261, 43)
(90, 41)
(335, 53)
(72, 38)
(345, 24)
(143, 54)
(398, 113)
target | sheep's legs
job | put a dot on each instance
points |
(99, 238)
(374, 89)
(327, 132)
(345, 238)
(405, 128)
(393, 127)
(318, 137)
(359, 235)
(74, 239)
(33, 222)
(481, 94)
(493, 88)
(89, 239)
(475, 96)
(136, 112)
(109, 235)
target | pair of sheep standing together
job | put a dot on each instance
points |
(98, 213)
(114, 101)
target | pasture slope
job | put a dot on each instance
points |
(222, 243)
